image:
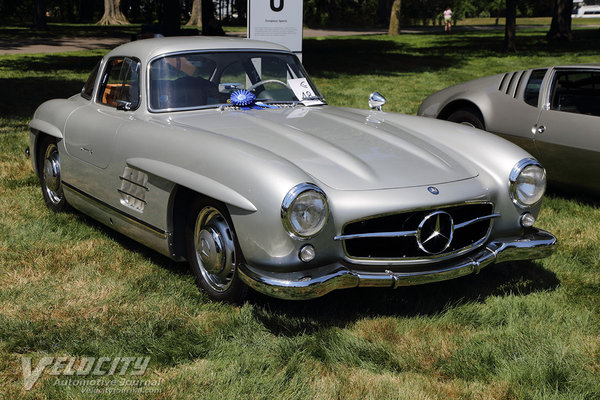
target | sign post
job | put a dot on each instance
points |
(277, 21)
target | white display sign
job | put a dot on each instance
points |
(277, 21)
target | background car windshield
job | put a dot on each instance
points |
(192, 80)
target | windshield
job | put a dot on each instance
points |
(201, 79)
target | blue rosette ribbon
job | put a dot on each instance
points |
(242, 98)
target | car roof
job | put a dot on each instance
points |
(590, 65)
(146, 49)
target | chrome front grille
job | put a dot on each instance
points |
(421, 234)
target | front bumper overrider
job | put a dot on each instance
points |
(534, 244)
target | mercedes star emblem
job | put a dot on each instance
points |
(435, 232)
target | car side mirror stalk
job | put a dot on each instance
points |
(123, 105)
(376, 101)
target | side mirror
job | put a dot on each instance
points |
(123, 105)
(376, 101)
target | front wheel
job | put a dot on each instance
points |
(468, 117)
(50, 178)
(213, 253)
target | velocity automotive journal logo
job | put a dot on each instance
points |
(108, 373)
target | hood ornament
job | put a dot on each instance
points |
(433, 190)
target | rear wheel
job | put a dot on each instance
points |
(467, 116)
(213, 252)
(50, 178)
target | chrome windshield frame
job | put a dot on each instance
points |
(220, 105)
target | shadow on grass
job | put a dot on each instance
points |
(342, 307)
(584, 196)
(339, 308)
(128, 244)
(21, 96)
(331, 57)
(430, 51)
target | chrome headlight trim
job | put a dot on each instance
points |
(513, 185)
(287, 209)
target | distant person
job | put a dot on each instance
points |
(448, 19)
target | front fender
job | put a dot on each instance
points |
(46, 127)
(193, 181)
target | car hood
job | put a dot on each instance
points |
(346, 149)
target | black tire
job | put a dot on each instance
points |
(468, 117)
(50, 175)
(213, 252)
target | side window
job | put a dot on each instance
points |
(88, 88)
(120, 83)
(534, 84)
(576, 92)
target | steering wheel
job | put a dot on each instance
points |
(257, 84)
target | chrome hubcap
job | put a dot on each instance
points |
(51, 174)
(214, 248)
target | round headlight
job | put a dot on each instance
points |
(527, 183)
(304, 211)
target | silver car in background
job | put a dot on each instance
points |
(553, 113)
(223, 153)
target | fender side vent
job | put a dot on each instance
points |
(134, 185)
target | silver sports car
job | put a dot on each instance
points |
(550, 112)
(223, 153)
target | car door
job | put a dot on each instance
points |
(90, 131)
(518, 108)
(568, 129)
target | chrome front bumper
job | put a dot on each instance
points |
(317, 282)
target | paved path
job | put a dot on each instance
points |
(64, 44)
(58, 45)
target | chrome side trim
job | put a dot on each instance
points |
(114, 211)
(302, 285)
(134, 185)
(138, 230)
(133, 182)
(129, 194)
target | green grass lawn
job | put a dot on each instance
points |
(70, 287)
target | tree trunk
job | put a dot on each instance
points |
(511, 24)
(395, 16)
(196, 15)
(39, 14)
(112, 14)
(560, 29)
